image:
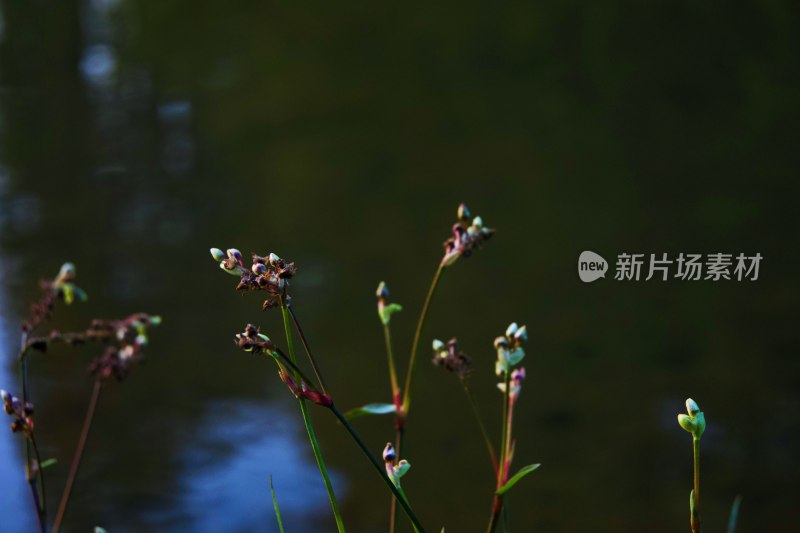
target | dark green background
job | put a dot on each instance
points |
(135, 135)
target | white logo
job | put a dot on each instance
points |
(591, 266)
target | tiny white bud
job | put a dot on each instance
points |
(522, 334)
(512, 328)
(691, 407)
(477, 222)
(438, 345)
(273, 258)
(217, 254)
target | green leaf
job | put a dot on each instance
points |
(387, 311)
(275, 505)
(48, 462)
(524, 471)
(370, 409)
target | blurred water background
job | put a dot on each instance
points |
(135, 135)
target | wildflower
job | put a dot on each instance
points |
(270, 273)
(394, 470)
(128, 337)
(509, 348)
(385, 310)
(468, 235)
(517, 375)
(451, 358)
(251, 340)
(695, 421)
(22, 413)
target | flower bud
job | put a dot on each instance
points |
(511, 330)
(438, 345)
(259, 268)
(477, 223)
(463, 212)
(273, 259)
(402, 468)
(389, 454)
(66, 272)
(521, 335)
(383, 291)
(500, 342)
(688, 423)
(691, 407)
(235, 254)
(5, 395)
(218, 254)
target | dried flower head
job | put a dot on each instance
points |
(251, 340)
(270, 273)
(21, 412)
(128, 337)
(451, 358)
(61, 287)
(468, 234)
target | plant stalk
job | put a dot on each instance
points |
(415, 344)
(488, 441)
(76, 459)
(381, 471)
(502, 472)
(306, 347)
(695, 515)
(310, 428)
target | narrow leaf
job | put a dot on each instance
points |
(734, 517)
(275, 505)
(48, 462)
(370, 409)
(524, 471)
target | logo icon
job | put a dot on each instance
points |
(591, 266)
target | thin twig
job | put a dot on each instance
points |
(76, 459)
(305, 345)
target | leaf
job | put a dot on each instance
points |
(48, 462)
(734, 514)
(524, 471)
(387, 311)
(370, 409)
(275, 505)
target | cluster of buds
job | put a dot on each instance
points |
(385, 309)
(509, 348)
(517, 375)
(61, 287)
(22, 412)
(450, 357)
(394, 469)
(695, 421)
(129, 337)
(468, 234)
(251, 340)
(270, 273)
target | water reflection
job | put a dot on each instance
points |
(225, 468)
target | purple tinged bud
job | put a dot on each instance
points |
(389, 454)
(383, 290)
(235, 254)
(259, 268)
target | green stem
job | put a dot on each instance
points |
(387, 335)
(502, 472)
(415, 344)
(39, 496)
(695, 515)
(381, 469)
(310, 428)
(479, 420)
(307, 349)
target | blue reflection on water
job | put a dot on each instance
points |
(227, 465)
